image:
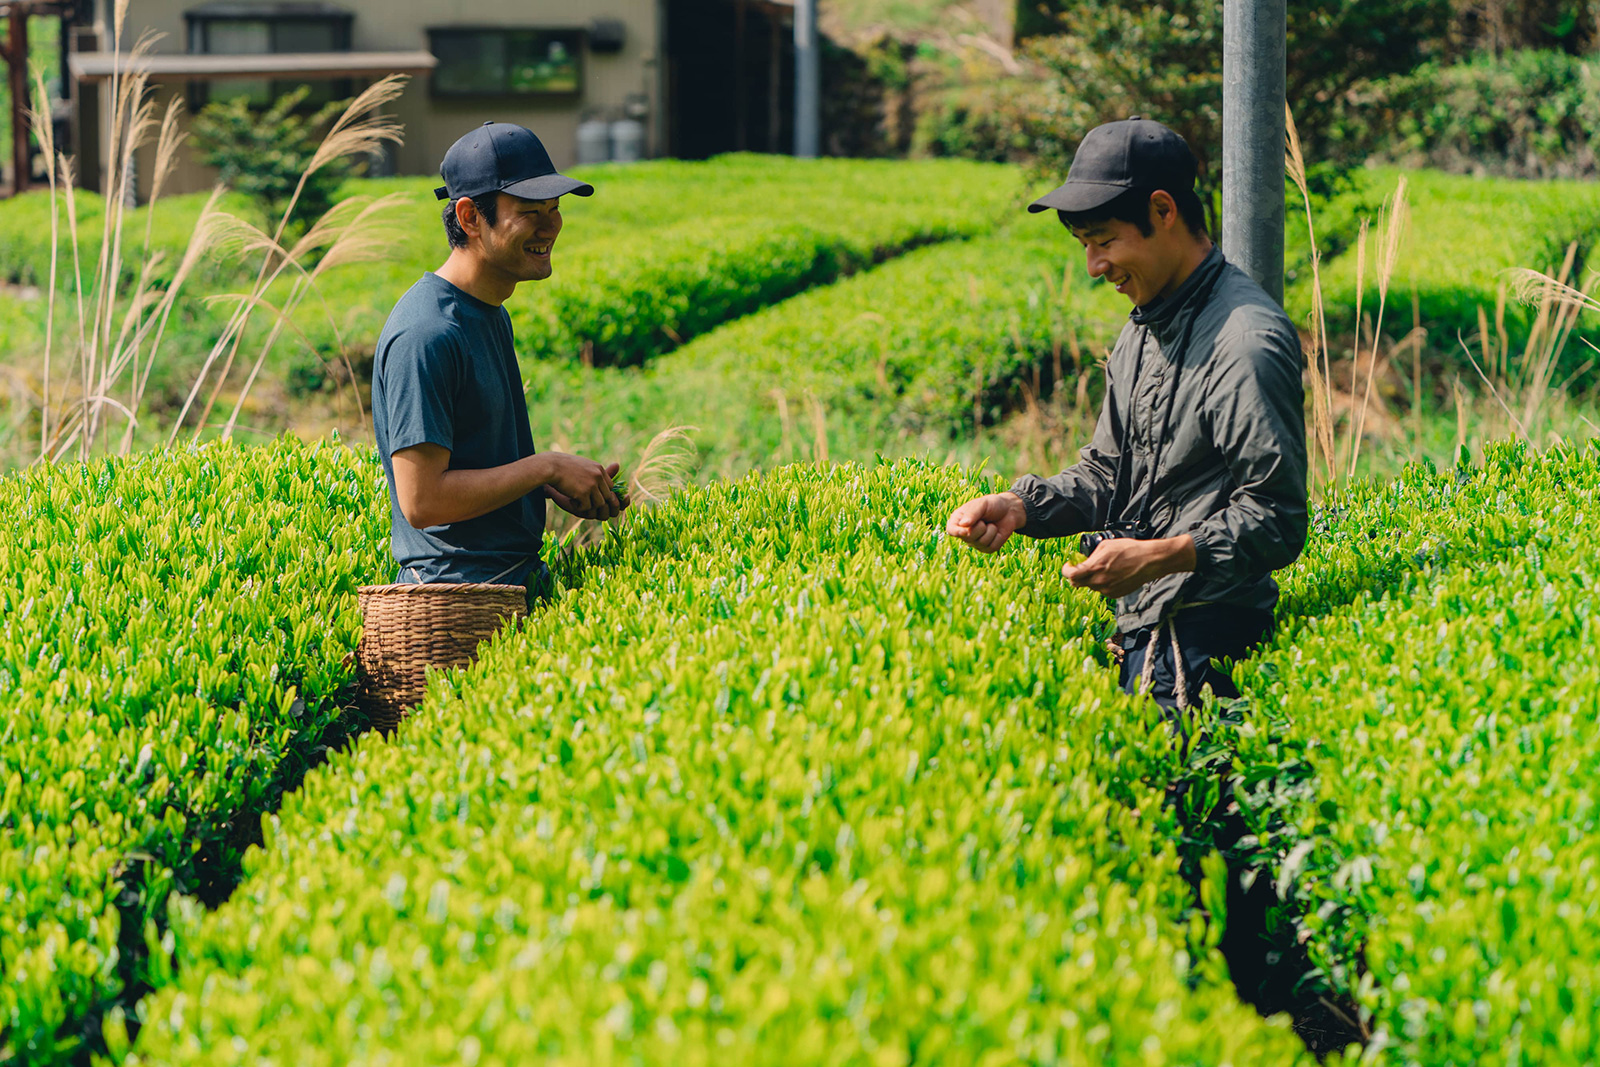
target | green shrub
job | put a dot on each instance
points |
(1006, 119)
(25, 237)
(1099, 60)
(665, 250)
(176, 636)
(1464, 235)
(1528, 114)
(1416, 778)
(263, 154)
(628, 298)
(902, 359)
(763, 790)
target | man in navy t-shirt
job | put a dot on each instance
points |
(466, 487)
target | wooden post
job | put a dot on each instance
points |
(775, 85)
(17, 62)
(741, 136)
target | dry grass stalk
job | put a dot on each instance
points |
(785, 421)
(39, 121)
(360, 238)
(1391, 229)
(819, 427)
(1346, 446)
(359, 129)
(131, 123)
(665, 466)
(168, 142)
(1342, 456)
(1421, 335)
(120, 326)
(113, 324)
(1361, 289)
(1317, 357)
(1524, 388)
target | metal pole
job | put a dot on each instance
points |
(1253, 138)
(807, 79)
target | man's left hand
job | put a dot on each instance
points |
(1119, 566)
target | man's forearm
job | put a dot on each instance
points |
(1067, 503)
(1119, 566)
(460, 495)
(1175, 555)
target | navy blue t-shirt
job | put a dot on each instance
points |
(445, 373)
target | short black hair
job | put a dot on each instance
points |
(488, 205)
(1133, 207)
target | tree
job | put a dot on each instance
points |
(263, 154)
(1122, 57)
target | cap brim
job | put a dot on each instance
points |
(1079, 196)
(548, 187)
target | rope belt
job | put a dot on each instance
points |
(525, 559)
(1180, 687)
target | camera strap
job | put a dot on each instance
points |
(1198, 298)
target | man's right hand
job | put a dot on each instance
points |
(986, 523)
(583, 486)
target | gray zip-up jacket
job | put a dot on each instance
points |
(1232, 461)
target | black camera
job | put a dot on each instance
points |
(1088, 542)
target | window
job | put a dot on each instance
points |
(253, 29)
(500, 62)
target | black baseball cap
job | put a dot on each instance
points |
(504, 157)
(1133, 153)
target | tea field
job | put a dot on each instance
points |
(780, 775)
(783, 775)
(667, 251)
(663, 251)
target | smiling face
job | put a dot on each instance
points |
(520, 242)
(1142, 267)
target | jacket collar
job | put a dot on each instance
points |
(1167, 316)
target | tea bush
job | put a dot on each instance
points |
(1464, 234)
(1416, 774)
(174, 640)
(789, 779)
(901, 359)
(664, 250)
(780, 774)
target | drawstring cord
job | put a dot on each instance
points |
(413, 572)
(1180, 687)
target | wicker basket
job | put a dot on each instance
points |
(405, 629)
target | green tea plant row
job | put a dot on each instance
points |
(662, 252)
(173, 639)
(1446, 262)
(789, 779)
(930, 709)
(25, 233)
(903, 359)
(1419, 768)
(726, 237)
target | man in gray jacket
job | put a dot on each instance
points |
(1193, 489)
